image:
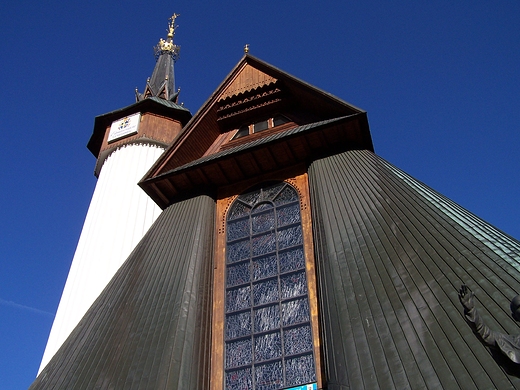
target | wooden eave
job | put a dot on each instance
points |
(274, 152)
(153, 105)
(202, 130)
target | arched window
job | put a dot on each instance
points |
(267, 330)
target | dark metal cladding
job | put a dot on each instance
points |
(162, 82)
(391, 256)
(150, 328)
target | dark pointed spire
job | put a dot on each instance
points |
(162, 82)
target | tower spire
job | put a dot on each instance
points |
(162, 82)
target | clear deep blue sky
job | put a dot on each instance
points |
(440, 82)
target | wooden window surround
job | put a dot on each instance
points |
(259, 126)
(224, 204)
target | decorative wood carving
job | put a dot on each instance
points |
(248, 99)
(247, 79)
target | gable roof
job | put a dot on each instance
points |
(248, 78)
(252, 87)
(275, 151)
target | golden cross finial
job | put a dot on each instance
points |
(167, 45)
(246, 48)
(171, 25)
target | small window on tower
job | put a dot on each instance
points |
(260, 126)
(280, 120)
(242, 132)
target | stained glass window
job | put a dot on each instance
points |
(268, 335)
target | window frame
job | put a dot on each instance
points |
(300, 184)
(270, 122)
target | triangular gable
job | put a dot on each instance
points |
(247, 79)
(253, 90)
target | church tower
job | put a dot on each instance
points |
(126, 143)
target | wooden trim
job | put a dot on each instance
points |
(280, 175)
(300, 182)
(253, 136)
(153, 126)
(246, 80)
(217, 337)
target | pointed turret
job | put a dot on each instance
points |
(162, 82)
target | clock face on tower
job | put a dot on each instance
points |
(124, 127)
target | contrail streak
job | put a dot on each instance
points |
(23, 307)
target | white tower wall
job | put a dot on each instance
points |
(119, 215)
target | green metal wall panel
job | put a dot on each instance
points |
(150, 328)
(391, 255)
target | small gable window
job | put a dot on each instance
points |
(279, 120)
(242, 131)
(262, 125)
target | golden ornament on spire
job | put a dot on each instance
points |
(246, 48)
(171, 25)
(167, 46)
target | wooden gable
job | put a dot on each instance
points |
(253, 91)
(247, 79)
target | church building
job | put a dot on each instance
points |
(263, 244)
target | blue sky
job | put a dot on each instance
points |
(440, 82)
